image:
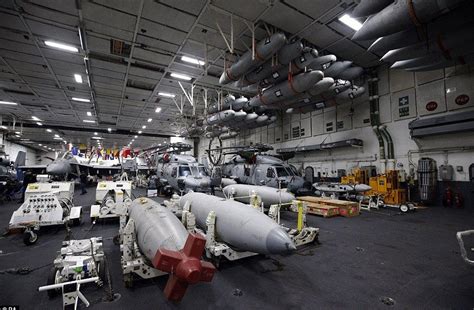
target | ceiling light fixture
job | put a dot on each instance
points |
(80, 99)
(181, 76)
(56, 135)
(149, 120)
(140, 132)
(88, 121)
(347, 20)
(193, 60)
(8, 103)
(168, 95)
(39, 124)
(89, 113)
(95, 133)
(109, 129)
(35, 118)
(49, 130)
(3, 127)
(62, 46)
(136, 137)
(143, 127)
(18, 133)
(158, 110)
(78, 78)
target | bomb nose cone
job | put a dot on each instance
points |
(278, 242)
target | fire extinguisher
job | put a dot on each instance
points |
(448, 197)
(458, 200)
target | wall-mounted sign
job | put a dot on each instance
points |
(431, 106)
(462, 99)
(403, 106)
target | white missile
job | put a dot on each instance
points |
(263, 51)
(227, 181)
(369, 7)
(229, 135)
(239, 116)
(262, 119)
(402, 14)
(220, 117)
(225, 104)
(444, 45)
(268, 195)
(251, 117)
(288, 89)
(465, 60)
(341, 188)
(351, 73)
(322, 62)
(350, 94)
(458, 19)
(285, 55)
(163, 239)
(337, 68)
(307, 108)
(244, 228)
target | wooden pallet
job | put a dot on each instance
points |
(322, 210)
(344, 208)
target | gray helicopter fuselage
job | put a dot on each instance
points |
(182, 173)
(264, 170)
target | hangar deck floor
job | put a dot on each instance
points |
(411, 258)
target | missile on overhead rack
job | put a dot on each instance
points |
(251, 117)
(296, 66)
(268, 195)
(455, 55)
(262, 119)
(453, 43)
(287, 89)
(220, 117)
(402, 14)
(321, 63)
(239, 116)
(244, 228)
(351, 73)
(264, 50)
(229, 135)
(464, 60)
(448, 23)
(369, 7)
(337, 68)
(239, 103)
(321, 86)
(163, 239)
(307, 108)
(227, 101)
(286, 54)
(350, 94)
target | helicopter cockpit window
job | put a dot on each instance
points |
(184, 171)
(202, 171)
(270, 173)
(281, 171)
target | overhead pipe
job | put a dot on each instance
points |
(375, 115)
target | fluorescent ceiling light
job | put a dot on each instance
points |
(17, 136)
(8, 103)
(61, 46)
(49, 130)
(109, 129)
(18, 133)
(57, 138)
(351, 22)
(149, 120)
(39, 124)
(136, 137)
(133, 140)
(95, 133)
(3, 127)
(158, 110)
(81, 99)
(88, 121)
(96, 138)
(143, 127)
(56, 135)
(40, 144)
(35, 118)
(78, 78)
(140, 132)
(89, 113)
(168, 95)
(181, 76)
(193, 60)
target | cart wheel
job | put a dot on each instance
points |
(128, 280)
(404, 208)
(30, 238)
(101, 271)
(54, 277)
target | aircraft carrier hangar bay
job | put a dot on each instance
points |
(245, 154)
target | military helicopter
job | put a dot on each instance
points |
(178, 172)
(249, 166)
